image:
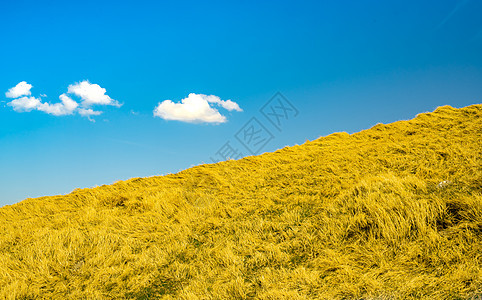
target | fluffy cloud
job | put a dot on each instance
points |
(24, 104)
(226, 104)
(21, 89)
(88, 113)
(66, 107)
(91, 94)
(195, 108)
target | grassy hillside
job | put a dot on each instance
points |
(361, 216)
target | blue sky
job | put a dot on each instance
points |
(343, 65)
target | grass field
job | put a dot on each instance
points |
(392, 212)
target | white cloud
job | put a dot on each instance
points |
(24, 104)
(195, 108)
(88, 113)
(226, 104)
(21, 89)
(66, 107)
(91, 94)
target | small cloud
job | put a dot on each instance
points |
(195, 108)
(88, 113)
(66, 107)
(24, 104)
(21, 89)
(91, 94)
(226, 104)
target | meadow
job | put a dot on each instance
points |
(391, 212)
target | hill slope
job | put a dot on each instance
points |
(345, 216)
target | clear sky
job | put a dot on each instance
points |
(340, 65)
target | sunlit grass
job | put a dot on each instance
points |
(357, 216)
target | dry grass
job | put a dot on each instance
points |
(357, 216)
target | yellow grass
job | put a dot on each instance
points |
(358, 216)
